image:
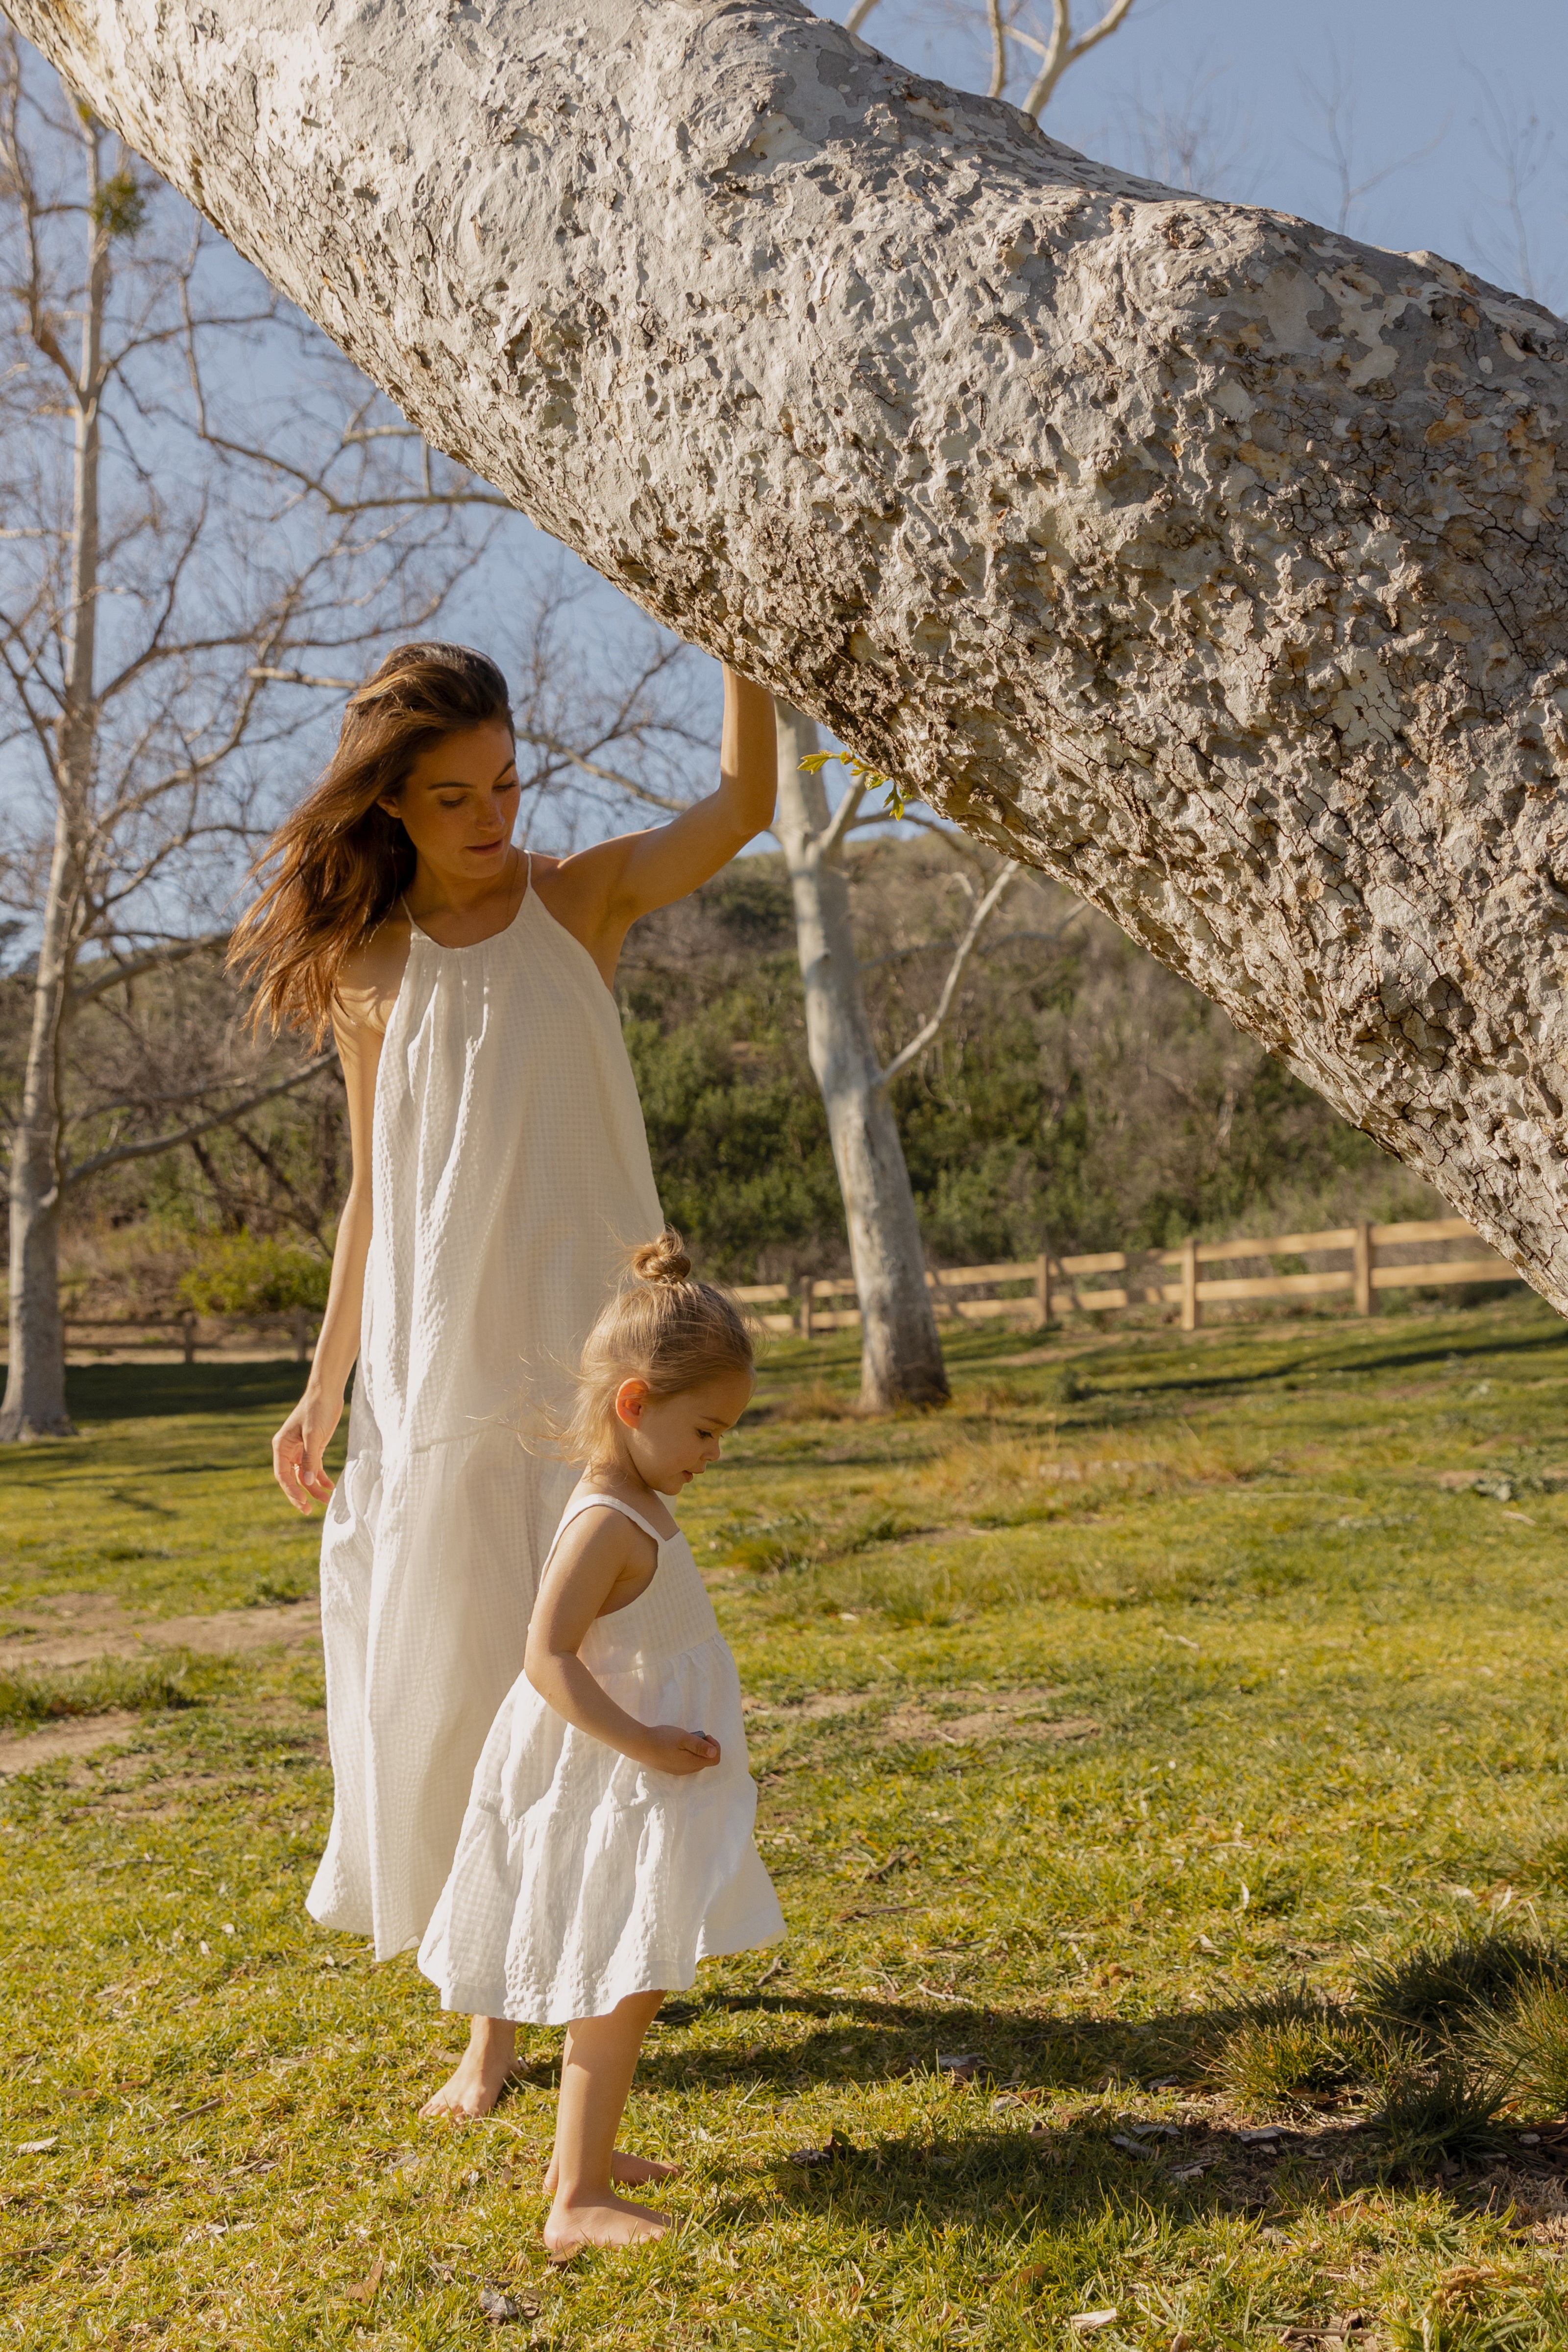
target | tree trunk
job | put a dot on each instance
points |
(1210, 561)
(35, 1404)
(901, 1355)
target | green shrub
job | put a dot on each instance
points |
(253, 1273)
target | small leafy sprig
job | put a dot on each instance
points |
(869, 779)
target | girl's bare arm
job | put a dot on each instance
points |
(596, 1551)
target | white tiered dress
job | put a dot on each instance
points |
(581, 1877)
(510, 1173)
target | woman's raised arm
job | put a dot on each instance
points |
(599, 893)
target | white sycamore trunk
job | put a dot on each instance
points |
(901, 1355)
(1206, 560)
(35, 1401)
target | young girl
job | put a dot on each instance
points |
(607, 1846)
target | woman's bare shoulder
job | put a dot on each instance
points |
(370, 976)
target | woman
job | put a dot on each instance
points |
(500, 1169)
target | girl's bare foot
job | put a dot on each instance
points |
(632, 2171)
(480, 2075)
(590, 2220)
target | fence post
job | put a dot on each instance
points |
(808, 1285)
(1191, 1311)
(1364, 1260)
(1042, 1281)
(188, 1335)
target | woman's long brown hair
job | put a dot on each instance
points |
(339, 861)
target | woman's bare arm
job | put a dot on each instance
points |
(299, 1446)
(597, 1551)
(598, 894)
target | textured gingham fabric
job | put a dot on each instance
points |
(581, 1877)
(510, 1174)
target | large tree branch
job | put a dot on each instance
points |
(1202, 558)
(116, 1154)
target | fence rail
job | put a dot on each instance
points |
(1037, 1288)
(1033, 1289)
(299, 1323)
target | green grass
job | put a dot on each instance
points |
(1317, 1749)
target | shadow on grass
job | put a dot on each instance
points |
(984, 2159)
(1403, 1356)
(154, 1392)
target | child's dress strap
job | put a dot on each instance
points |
(607, 1502)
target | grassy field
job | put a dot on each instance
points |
(1135, 1738)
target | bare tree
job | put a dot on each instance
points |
(1191, 133)
(156, 580)
(1055, 48)
(1523, 150)
(1333, 98)
(901, 1353)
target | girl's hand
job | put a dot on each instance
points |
(667, 1748)
(297, 1448)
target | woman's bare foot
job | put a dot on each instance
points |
(480, 2075)
(632, 2171)
(591, 2220)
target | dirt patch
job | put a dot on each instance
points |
(813, 1709)
(82, 1627)
(80, 1737)
(961, 1718)
(1000, 1714)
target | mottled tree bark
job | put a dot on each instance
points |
(1213, 562)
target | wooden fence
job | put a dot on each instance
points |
(188, 1331)
(1029, 1291)
(1033, 1290)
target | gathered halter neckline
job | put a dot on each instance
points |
(468, 946)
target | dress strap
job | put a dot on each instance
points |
(609, 1502)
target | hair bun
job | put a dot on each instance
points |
(664, 1261)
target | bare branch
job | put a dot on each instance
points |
(559, 750)
(116, 1154)
(124, 968)
(1064, 51)
(1007, 876)
(840, 824)
(981, 946)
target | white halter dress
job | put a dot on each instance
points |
(510, 1173)
(581, 1877)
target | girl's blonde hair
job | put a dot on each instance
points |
(660, 1327)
